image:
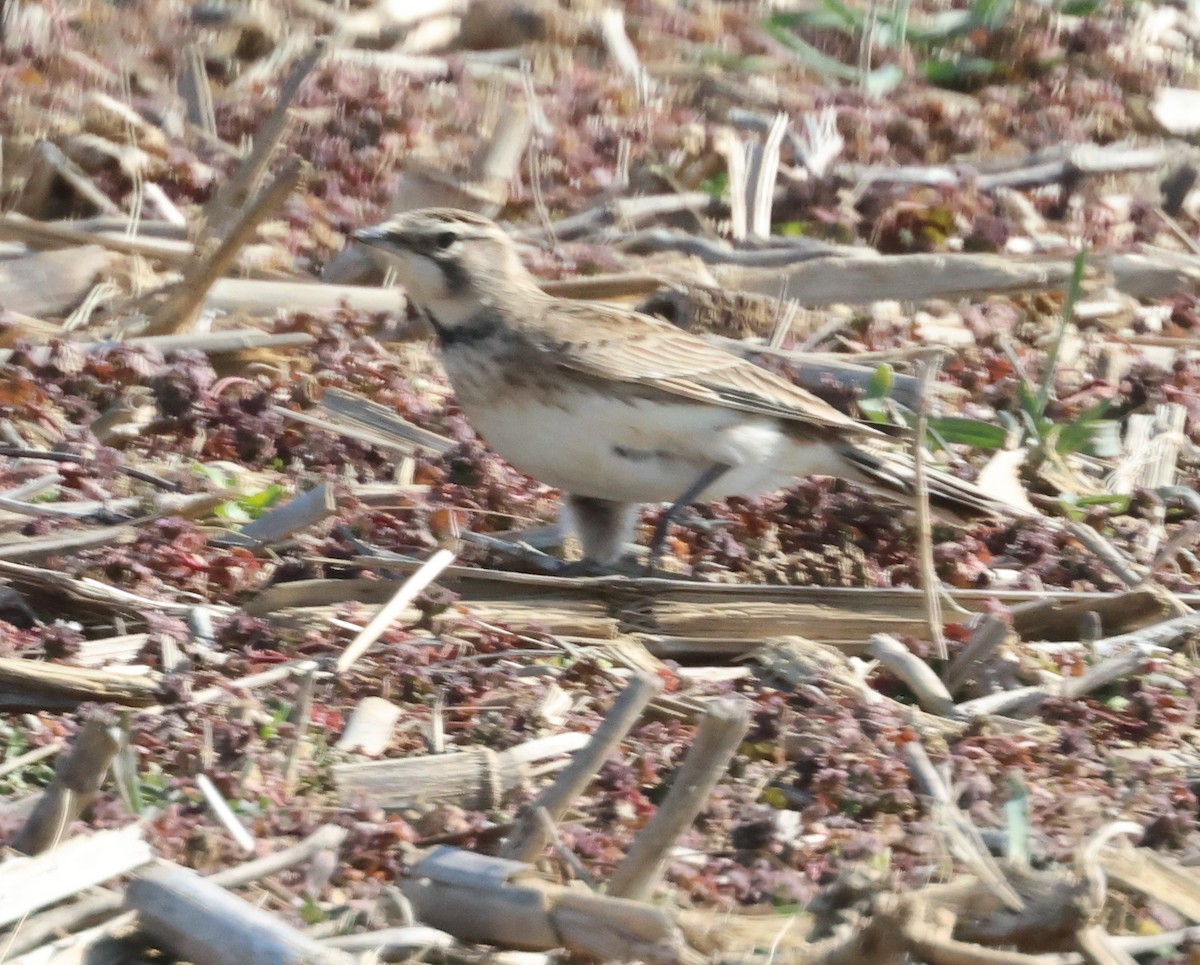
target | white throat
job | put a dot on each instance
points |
(451, 312)
(426, 286)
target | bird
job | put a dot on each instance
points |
(615, 408)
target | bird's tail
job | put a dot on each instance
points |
(891, 472)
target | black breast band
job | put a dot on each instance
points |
(477, 328)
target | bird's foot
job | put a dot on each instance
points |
(590, 568)
(652, 567)
(584, 568)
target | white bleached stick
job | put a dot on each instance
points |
(408, 592)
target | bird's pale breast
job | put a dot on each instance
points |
(613, 442)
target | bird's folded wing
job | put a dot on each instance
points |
(640, 350)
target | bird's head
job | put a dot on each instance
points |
(449, 261)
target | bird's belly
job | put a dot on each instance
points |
(639, 450)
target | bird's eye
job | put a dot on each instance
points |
(444, 240)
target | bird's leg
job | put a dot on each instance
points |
(604, 528)
(659, 539)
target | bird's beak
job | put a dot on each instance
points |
(373, 236)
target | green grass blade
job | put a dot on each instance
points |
(1068, 314)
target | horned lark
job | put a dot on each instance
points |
(613, 407)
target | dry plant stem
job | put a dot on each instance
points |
(1025, 701)
(858, 280)
(31, 757)
(715, 252)
(521, 551)
(1184, 538)
(86, 946)
(379, 418)
(34, 487)
(987, 637)
(307, 509)
(1106, 552)
(27, 884)
(259, 296)
(935, 946)
(728, 144)
(76, 177)
(1142, 944)
(760, 179)
(27, 550)
(370, 727)
(414, 65)
(14, 451)
(1058, 619)
(122, 533)
(96, 907)
(87, 592)
(45, 235)
(196, 91)
(717, 740)
(500, 161)
(562, 852)
(931, 693)
(402, 943)
(24, 326)
(280, 672)
(623, 211)
(199, 921)
(583, 618)
(120, 225)
(215, 343)
(76, 780)
(1040, 168)
(180, 308)
(368, 436)
(816, 375)
(931, 586)
(960, 834)
(1104, 673)
(1098, 948)
(481, 779)
(1156, 875)
(48, 284)
(221, 213)
(676, 619)
(49, 925)
(494, 901)
(1056, 904)
(326, 838)
(1164, 634)
(528, 839)
(620, 48)
(602, 287)
(32, 684)
(224, 814)
(1018, 702)
(301, 718)
(1154, 273)
(409, 591)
